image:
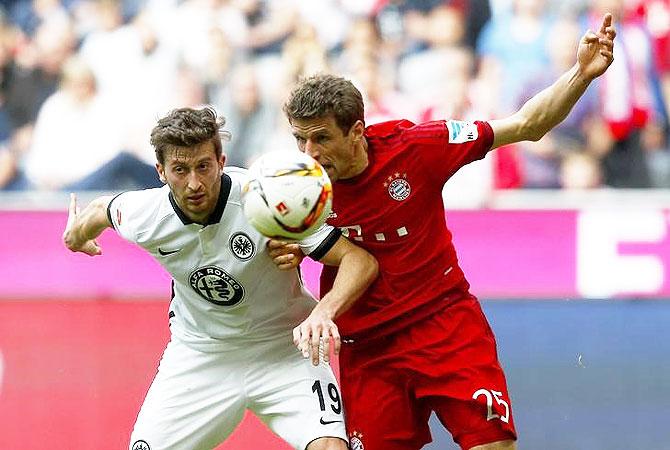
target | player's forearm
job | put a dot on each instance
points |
(552, 105)
(356, 272)
(90, 222)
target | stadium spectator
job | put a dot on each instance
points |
(580, 171)
(626, 99)
(655, 14)
(28, 80)
(76, 134)
(32, 75)
(477, 13)
(132, 66)
(303, 54)
(249, 116)
(541, 161)
(657, 154)
(29, 15)
(269, 25)
(513, 46)
(331, 33)
(144, 52)
(421, 72)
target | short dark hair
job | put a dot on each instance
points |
(321, 95)
(188, 127)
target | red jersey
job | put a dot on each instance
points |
(394, 210)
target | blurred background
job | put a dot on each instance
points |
(566, 241)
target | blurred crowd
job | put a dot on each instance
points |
(83, 81)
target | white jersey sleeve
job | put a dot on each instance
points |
(130, 213)
(320, 242)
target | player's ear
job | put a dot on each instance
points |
(357, 130)
(161, 172)
(222, 161)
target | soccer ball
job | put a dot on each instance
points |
(289, 195)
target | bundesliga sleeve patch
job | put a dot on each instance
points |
(461, 131)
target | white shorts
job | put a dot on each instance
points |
(197, 399)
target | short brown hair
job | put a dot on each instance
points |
(187, 127)
(321, 95)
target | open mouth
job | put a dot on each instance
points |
(195, 198)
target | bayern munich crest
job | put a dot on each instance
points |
(398, 186)
(242, 246)
(355, 441)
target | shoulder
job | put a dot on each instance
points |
(405, 133)
(388, 129)
(404, 128)
(239, 177)
(142, 197)
(140, 207)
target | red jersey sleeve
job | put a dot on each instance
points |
(446, 146)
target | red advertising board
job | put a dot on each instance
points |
(73, 375)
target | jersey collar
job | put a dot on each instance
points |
(216, 215)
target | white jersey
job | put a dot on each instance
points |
(226, 289)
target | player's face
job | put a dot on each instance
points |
(339, 153)
(194, 177)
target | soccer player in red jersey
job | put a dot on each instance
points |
(418, 341)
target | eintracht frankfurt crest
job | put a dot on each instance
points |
(242, 246)
(141, 445)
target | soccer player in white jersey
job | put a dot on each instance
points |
(233, 311)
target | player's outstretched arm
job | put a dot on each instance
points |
(357, 270)
(549, 107)
(83, 227)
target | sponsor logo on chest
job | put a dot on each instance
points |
(216, 286)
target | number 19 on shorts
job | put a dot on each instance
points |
(328, 400)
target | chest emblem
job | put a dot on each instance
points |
(356, 441)
(242, 246)
(398, 186)
(216, 286)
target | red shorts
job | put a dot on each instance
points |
(446, 363)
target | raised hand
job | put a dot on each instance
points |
(71, 235)
(596, 50)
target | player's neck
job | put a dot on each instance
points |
(360, 160)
